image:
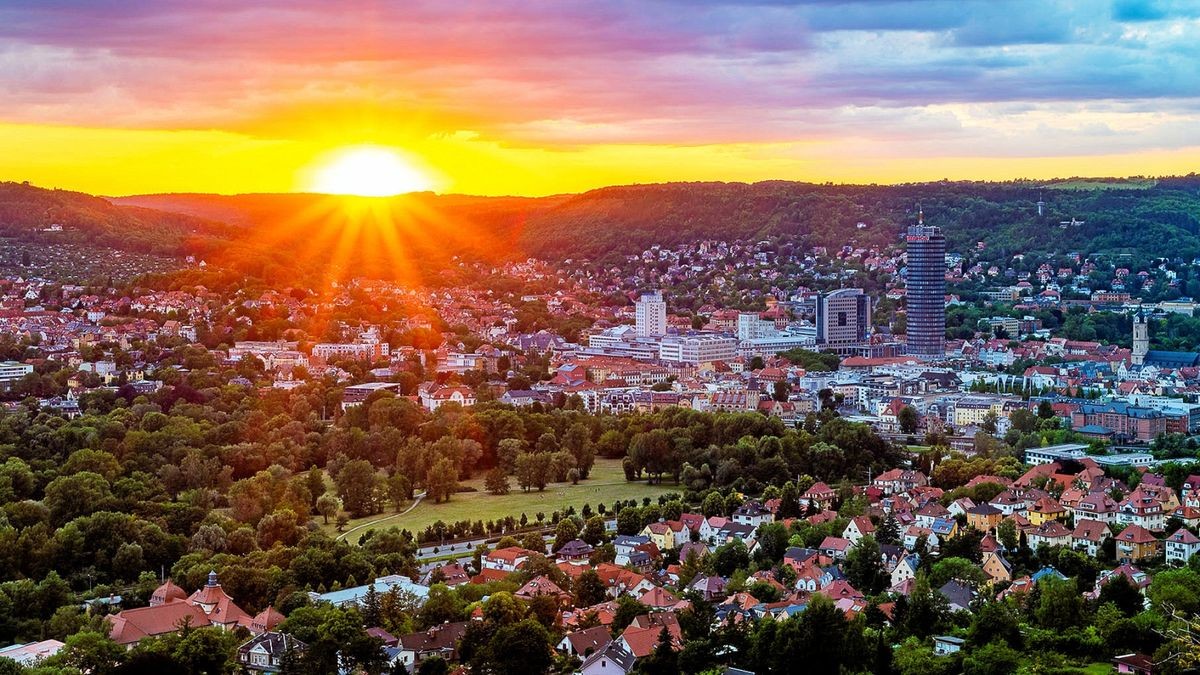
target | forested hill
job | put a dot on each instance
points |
(27, 212)
(1143, 217)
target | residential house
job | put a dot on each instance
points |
(440, 640)
(753, 514)
(857, 528)
(1190, 491)
(1134, 664)
(613, 659)
(1142, 510)
(897, 481)
(661, 534)
(265, 653)
(1180, 546)
(930, 512)
(944, 645)
(508, 559)
(541, 586)
(905, 569)
(1096, 506)
(958, 595)
(1089, 536)
(1045, 509)
(984, 517)
(996, 567)
(576, 551)
(1135, 543)
(819, 495)
(584, 643)
(712, 588)
(835, 548)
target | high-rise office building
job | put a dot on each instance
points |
(926, 290)
(651, 315)
(843, 317)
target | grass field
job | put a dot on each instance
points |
(605, 485)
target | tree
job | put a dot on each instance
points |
(566, 531)
(988, 425)
(589, 589)
(90, 652)
(995, 622)
(772, 542)
(520, 648)
(1023, 420)
(356, 486)
(926, 609)
(713, 505)
(496, 482)
(914, 657)
(578, 441)
(730, 557)
(593, 530)
(628, 609)
(690, 567)
(399, 489)
(629, 520)
(781, 390)
(533, 469)
(1060, 606)
(1125, 596)
(442, 480)
(75, 495)
(433, 665)
(956, 569)
(864, 566)
(888, 531)
(663, 660)
(992, 659)
(1175, 591)
(654, 452)
(908, 419)
(328, 505)
(1006, 534)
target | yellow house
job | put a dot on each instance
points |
(984, 517)
(996, 567)
(662, 535)
(1046, 509)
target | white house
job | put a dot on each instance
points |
(1181, 546)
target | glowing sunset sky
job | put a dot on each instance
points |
(528, 97)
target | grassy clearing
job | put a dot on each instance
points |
(606, 485)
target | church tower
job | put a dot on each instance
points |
(1141, 339)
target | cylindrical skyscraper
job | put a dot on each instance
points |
(926, 291)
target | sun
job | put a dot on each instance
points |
(368, 171)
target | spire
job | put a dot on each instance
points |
(212, 578)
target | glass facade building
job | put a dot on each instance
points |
(926, 291)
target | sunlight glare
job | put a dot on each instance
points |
(369, 171)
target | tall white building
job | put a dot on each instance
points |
(1141, 339)
(751, 326)
(651, 313)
